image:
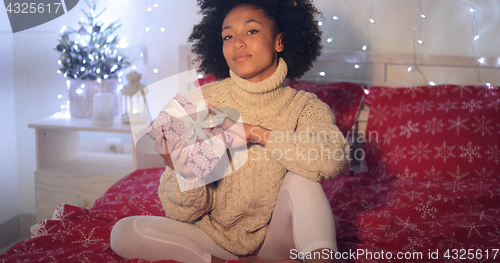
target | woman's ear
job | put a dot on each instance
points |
(279, 43)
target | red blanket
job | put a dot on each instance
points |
(378, 218)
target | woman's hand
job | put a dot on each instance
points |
(242, 133)
(173, 155)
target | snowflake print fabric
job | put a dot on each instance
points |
(427, 128)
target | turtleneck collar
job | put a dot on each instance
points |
(261, 93)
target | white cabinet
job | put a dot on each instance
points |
(77, 162)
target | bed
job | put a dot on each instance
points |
(423, 186)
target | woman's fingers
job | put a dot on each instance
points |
(173, 154)
(228, 123)
(161, 148)
(177, 149)
(214, 109)
(168, 161)
(236, 129)
(160, 144)
(172, 144)
(179, 157)
(184, 157)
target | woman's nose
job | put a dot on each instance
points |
(238, 43)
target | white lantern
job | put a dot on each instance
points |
(133, 108)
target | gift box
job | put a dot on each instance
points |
(206, 140)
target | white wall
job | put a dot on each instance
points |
(35, 84)
(446, 30)
(9, 189)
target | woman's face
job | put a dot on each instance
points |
(249, 45)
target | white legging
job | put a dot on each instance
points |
(302, 219)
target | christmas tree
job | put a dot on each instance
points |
(90, 53)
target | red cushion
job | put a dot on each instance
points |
(433, 132)
(205, 80)
(343, 98)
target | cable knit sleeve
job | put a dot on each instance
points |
(188, 205)
(316, 148)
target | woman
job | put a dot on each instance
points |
(273, 207)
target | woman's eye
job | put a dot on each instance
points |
(226, 37)
(252, 31)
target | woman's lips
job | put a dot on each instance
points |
(239, 59)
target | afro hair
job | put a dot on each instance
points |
(293, 18)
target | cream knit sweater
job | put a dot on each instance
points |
(235, 211)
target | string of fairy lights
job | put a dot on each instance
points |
(417, 41)
(475, 39)
(152, 26)
(369, 22)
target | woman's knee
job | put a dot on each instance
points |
(304, 194)
(297, 184)
(123, 235)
